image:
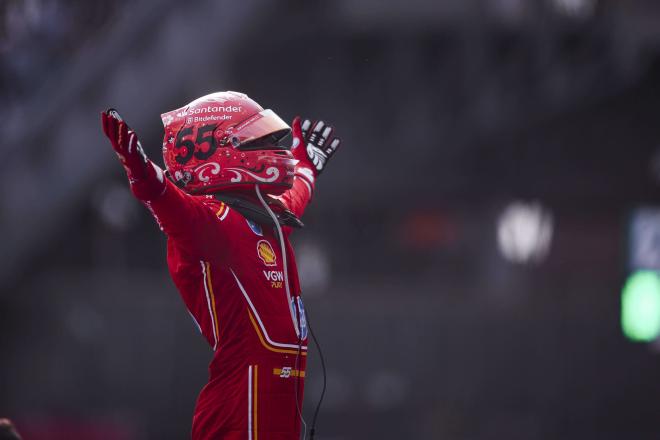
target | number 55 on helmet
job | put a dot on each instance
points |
(225, 141)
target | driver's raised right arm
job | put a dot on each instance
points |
(181, 216)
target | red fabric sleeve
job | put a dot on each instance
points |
(187, 219)
(298, 197)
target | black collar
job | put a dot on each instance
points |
(257, 213)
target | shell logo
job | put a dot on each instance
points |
(266, 253)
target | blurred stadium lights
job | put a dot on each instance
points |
(510, 11)
(314, 267)
(524, 232)
(116, 206)
(424, 230)
(640, 297)
(644, 245)
(640, 306)
(576, 8)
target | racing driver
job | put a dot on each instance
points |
(231, 195)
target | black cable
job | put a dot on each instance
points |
(295, 306)
(325, 378)
(296, 378)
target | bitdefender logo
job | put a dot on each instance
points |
(192, 120)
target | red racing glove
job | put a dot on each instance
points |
(145, 177)
(314, 143)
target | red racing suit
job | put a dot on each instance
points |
(230, 274)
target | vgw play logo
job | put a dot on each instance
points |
(276, 277)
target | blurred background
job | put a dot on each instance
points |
(479, 262)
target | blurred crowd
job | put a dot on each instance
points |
(37, 36)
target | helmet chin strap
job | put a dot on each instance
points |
(291, 304)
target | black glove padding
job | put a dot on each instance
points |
(320, 145)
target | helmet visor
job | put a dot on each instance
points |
(265, 130)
